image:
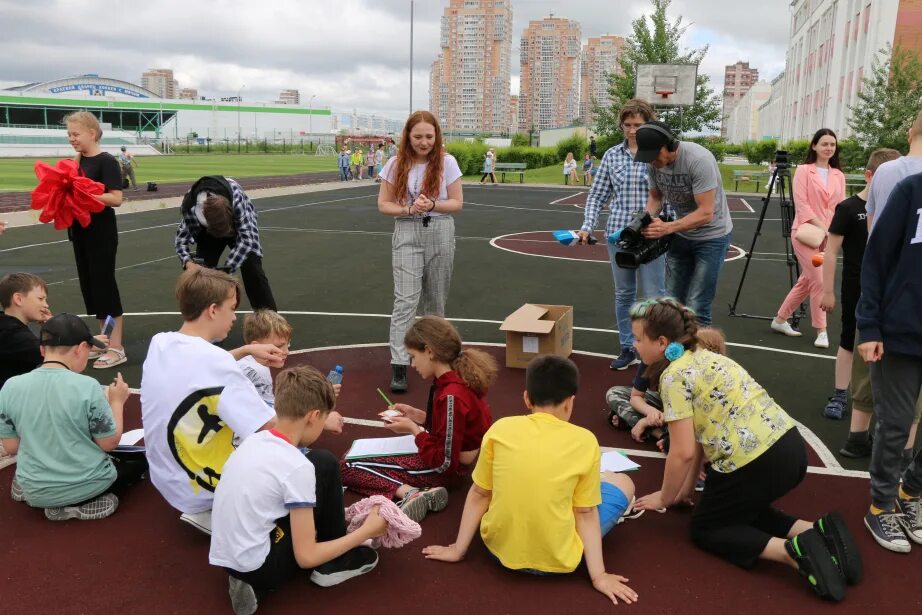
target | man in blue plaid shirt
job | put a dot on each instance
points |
(622, 184)
(217, 213)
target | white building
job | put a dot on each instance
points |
(771, 113)
(831, 46)
(742, 124)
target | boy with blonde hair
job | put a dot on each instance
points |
(278, 511)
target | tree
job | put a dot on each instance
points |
(659, 46)
(889, 100)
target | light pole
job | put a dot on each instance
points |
(411, 57)
(239, 93)
(310, 121)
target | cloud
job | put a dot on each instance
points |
(350, 54)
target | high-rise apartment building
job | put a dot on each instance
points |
(599, 60)
(290, 97)
(832, 45)
(738, 78)
(188, 93)
(469, 81)
(550, 69)
(513, 113)
(160, 81)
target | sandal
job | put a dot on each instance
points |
(105, 362)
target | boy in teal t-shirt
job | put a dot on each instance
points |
(61, 425)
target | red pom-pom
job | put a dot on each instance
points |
(64, 195)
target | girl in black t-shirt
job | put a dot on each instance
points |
(96, 245)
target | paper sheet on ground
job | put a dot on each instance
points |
(614, 461)
(382, 447)
(132, 437)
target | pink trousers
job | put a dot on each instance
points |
(810, 283)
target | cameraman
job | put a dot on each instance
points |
(621, 184)
(217, 213)
(685, 175)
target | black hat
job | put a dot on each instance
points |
(67, 330)
(651, 138)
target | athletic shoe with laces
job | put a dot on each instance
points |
(841, 544)
(887, 530)
(835, 408)
(911, 518)
(16, 492)
(627, 358)
(350, 564)
(99, 508)
(822, 340)
(785, 328)
(857, 449)
(419, 503)
(242, 596)
(816, 564)
(200, 521)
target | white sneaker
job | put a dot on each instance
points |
(786, 328)
(822, 340)
(200, 521)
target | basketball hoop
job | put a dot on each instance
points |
(665, 94)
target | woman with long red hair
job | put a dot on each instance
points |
(421, 188)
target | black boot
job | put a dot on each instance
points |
(399, 378)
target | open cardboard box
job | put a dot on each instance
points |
(535, 329)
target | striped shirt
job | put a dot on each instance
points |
(246, 233)
(619, 183)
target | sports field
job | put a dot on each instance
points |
(327, 255)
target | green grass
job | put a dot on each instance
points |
(554, 175)
(16, 174)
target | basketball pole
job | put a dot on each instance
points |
(411, 59)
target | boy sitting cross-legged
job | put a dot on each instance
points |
(62, 425)
(277, 511)
(538, 497)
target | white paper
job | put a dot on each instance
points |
(530, 343)
(379, 447)
(613, 461)
(130, 438)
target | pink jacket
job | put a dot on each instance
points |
(813, 198)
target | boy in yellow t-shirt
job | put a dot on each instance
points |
(538, 497)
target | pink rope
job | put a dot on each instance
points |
(401, 529)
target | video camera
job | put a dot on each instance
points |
(636, 249)
(782, 160)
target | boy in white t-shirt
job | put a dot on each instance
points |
(277, 511)
(195, 402)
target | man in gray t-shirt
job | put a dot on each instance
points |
(685, 175)
(889, 174)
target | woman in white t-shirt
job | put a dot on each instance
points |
(421, 188)
(569, 169)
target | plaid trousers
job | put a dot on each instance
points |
(422, 259)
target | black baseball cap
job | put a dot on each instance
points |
(67, 330)
(650, 141)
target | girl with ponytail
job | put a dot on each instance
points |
(448, 433)
(717, 412)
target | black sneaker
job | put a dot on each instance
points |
(350, 564)
(398, 378)
(911, 519)
(887, 531)
(815, 564)
(242, 596)
(841, 545)
(856, 449)
(624, 360)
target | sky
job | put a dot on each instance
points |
(347, 54)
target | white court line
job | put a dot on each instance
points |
(295, 229)
(564, 198)
(558, 211)
(489, 322)
(156, 260)
(833, 467)
(748, 206)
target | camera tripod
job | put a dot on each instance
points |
(782, 177)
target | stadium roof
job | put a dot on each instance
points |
(88, 85)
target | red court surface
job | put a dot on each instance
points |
(542, 243)
(143, 560)
(578, 199)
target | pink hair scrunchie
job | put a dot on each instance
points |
(401, 529)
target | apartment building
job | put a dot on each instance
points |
(598, 60)
(550, 74)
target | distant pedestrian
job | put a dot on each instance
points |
(127, 163)
(489, 167)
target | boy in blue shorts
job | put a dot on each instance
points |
(538, 497)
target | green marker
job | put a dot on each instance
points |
(386, 400)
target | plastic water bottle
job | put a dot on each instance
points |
(336, 375)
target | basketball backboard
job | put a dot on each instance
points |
(666, 84)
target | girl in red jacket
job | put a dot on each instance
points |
(448, 433)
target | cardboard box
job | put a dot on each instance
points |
(535, 329)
